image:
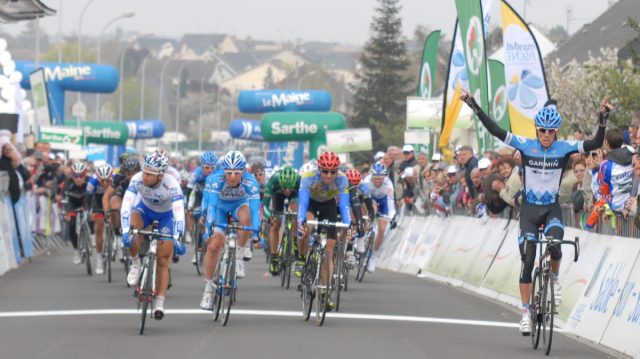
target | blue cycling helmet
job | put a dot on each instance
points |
(233, 160)
(548, 116)
(378, 169)
(208, 159)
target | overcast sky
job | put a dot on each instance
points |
(345, 21)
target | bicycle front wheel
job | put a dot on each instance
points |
(108, 252)
(86, 247)
(337, 273)
(308, 291)
(228, 286)
(145, 295)
(322, 291)
(548, 311)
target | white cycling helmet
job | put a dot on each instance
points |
(156, 162)
(104, 171)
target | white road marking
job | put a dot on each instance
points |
(268, 313)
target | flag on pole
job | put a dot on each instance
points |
(498, 94)
(429, 63)
(524, 72)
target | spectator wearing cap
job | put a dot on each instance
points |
(454, 186)
(378, 156)
(467, 162)
(409, 157)
(484, 165)
(410, 191)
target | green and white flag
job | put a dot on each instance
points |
(499, 108)
(471, 24)
(429, 63)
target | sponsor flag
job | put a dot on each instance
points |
(457, 80)
(471, 23)
(498, 94)
(429, 63)
(524, 72)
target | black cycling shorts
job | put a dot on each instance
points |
(531, 218)
(325, 210)
(278, 201)
(96, 203)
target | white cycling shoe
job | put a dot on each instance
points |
(239, 269)
(371, 266)
(360, 245)
(76, 257)
(99, 264)
(557, 293)
(525, 324)
(158, 310)
(134, 274)
(247, 254)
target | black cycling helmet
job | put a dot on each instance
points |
(131, 164)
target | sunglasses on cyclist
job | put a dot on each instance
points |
(77, 176)
(233, 173)
(208, 168)
(326, 172)
(547, 131)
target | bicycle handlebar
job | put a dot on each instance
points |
(553, 242)
(326, 223)
(236, 227)
(155, 234)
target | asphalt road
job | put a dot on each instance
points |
(51, 309)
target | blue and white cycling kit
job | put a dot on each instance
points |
(93, 186)
(197, 178)
(220, 199)
(163, 203)
(616, 174)
(383, 195)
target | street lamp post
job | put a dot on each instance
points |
(182, 67)
(201, 104)
(84, 9)
(121, 100)
(142, 77)
(125, 15)
(164, 67)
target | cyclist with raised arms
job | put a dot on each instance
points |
(160, 199)
(319, 188)
(381, 192)
(230, 190)
(195, 190)
(282, 185)
(96, 187)
(543, 162)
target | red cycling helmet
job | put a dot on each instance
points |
(354, 177)
(328, 161)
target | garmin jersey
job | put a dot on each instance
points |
(542, 168)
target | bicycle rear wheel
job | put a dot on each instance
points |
(145, 295)
(365, 257)
(322, 292)
(229, 286)
(217, 297)
(338, 265)
(548, 311)
(108, 252)
(534, 309)
(198, 248)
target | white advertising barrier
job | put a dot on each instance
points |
(429, 230)
(574, 276)
(451, 237)
(472, 271)
(404, 239)
(392, 241)
(501, 280)
(7, 230)
(624, 327)
(595, 308)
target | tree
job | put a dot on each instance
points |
(131, 100)
(69, 53)
(382, 83)
(579, 87)
(557, 34)
(268, 81)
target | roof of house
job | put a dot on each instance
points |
(608, 30)
(17, 10)
(201, 43)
